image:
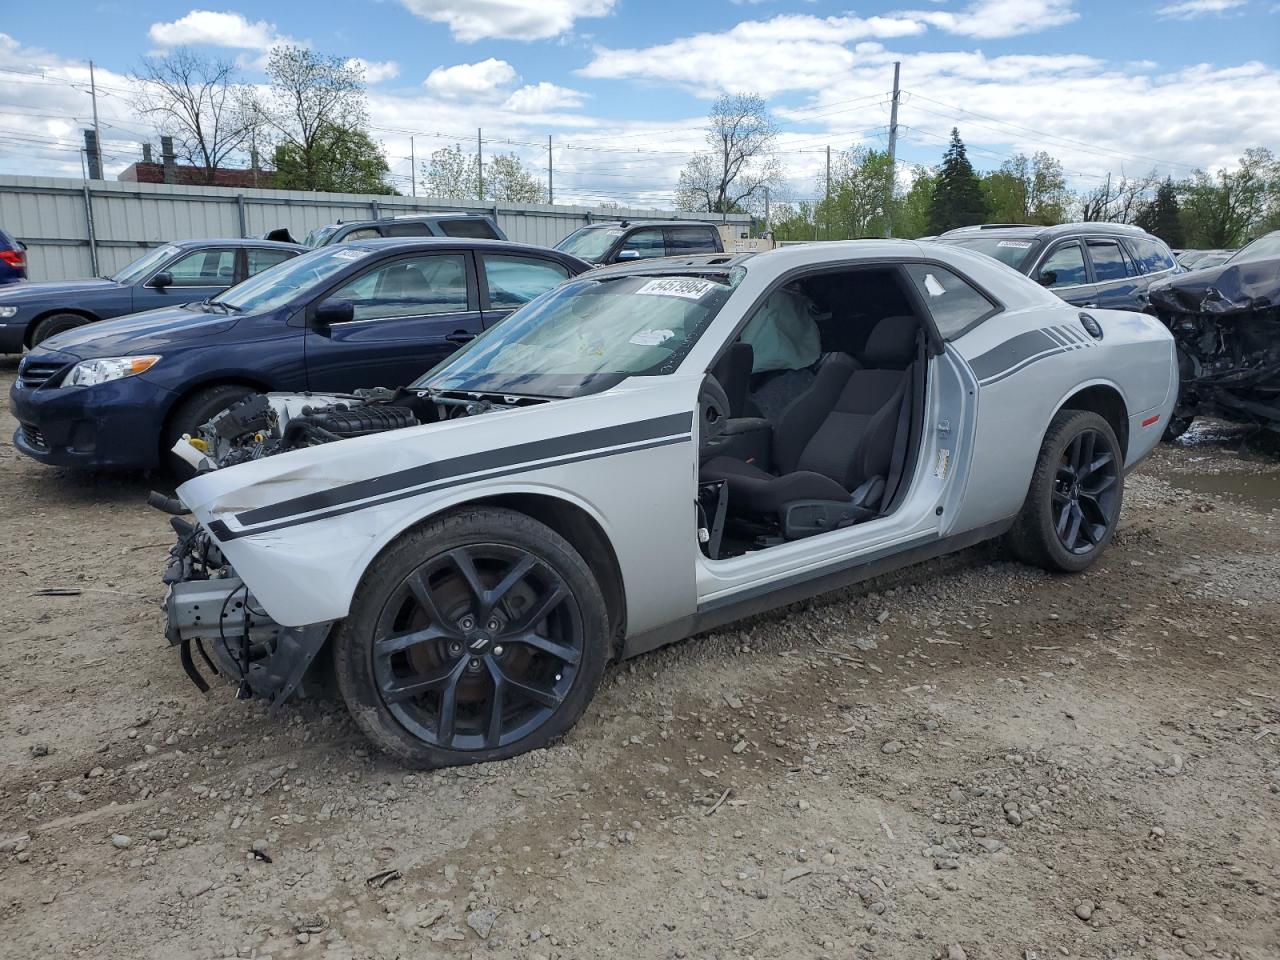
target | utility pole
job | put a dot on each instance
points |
(551, 184)
(893, 153)
(827, 200)
(479, 165)
(766, 209)
(97, 132)
(413, 166)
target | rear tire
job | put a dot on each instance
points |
(479, 636)
(192, 413)
(56, 323)
(1073, 502)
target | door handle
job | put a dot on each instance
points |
(460, 336)
(1090, 304)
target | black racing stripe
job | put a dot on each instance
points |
(1025, 363)
(222, 532)
(1012, 352)
(1056, 334)
(520, 453)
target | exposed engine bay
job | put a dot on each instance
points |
(1226, 322)
(263, 425)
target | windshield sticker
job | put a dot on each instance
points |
(1016, 244)
(686, 288)
(651, 338)
(933, 286)
(613, 233)
(347, 253)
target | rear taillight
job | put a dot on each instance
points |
(14, 258)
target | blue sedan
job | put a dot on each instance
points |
(373, 313)
(176, 273)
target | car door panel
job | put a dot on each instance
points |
(1117, 282)
(409, 314)
(198, 275)
(1067, 261)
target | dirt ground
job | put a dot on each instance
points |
(972, 759)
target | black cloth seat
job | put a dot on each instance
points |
(836, 435)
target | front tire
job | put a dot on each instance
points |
(1073, 503)
(479, 636)
(54, 324)
(191, 414)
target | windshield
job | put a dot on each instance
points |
(1264, 248)
(590, 243)
(320, 236)
(278, 285)
(587, 336)
(144, 265)
(1010, 251)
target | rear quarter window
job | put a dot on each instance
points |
(474, 228)
(954, 303)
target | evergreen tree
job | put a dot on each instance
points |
(1162, 216)
(957, 197)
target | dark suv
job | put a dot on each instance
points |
(620, 241)
(463, 226)
(13, 259)
(1104, 265)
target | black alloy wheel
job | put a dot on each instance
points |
(478, 647)
(1086, 493)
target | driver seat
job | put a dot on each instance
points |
(833, 446)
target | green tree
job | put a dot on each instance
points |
(1027, 190)
(957, 196)
(1229, 208)
(911, 209)
(340, 160)
(1162, 215)
(855, 206)
(505, 178)
(451, 173)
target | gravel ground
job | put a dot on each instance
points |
(972, 759)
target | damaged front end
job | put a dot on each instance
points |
(1226, 323)
(219, 628)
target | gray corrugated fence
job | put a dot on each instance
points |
(75, 228)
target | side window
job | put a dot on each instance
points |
(684, 240)
(1064, 267)
(1109, 261)
(952, 301)
(204, 268)
(516, 280)
(474, 228)
(409, 229)
(1152, 257)
(260, 259)
(414, 287)
(647, 243)
(363, 233)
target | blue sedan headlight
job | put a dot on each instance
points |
(88, 373)
(7, 312)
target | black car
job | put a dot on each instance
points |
(374, 313)
(13, 259)
(167, 276)
(620, 241)
(464, 226)
(1103, 265)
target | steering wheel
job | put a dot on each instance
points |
(713, 409)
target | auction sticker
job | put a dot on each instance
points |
(687, 288)
(1016, 244)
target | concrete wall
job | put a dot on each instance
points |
(75, 228)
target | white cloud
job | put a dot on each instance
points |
(1190, 9)
(211, 28)
(990, 19)
(788, 52)
(472, 20)
(375, 71)
(543, 97)
(483, 80)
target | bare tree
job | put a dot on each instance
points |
(451, 173)
(1120, 201)
(316, 103)
(738, 165)
(198, 102)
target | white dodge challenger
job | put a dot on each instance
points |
(641, 454)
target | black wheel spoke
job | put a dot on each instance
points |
(420, 587)
(1094, 465)
(1084, 455)
(514, 576)
(1099, 487)
(538, 642)
(1093, 509)
(1064, 518)
(542, 607)
(449, 704)
(385, 646)
(465, 565)
(493, 732)
(542, 695)
(1073, 530)
(411, 687)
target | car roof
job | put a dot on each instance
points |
(1043, 232)
(467, 243)
(409, 217)
(237, 242)
(615, 224)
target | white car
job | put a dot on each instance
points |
(644, 453)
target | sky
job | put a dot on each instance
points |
(622, 87)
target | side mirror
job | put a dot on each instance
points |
(628, 255)
(334, 311)
(162, 279)
(1048, 278)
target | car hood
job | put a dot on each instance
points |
(41, 290)
(1225, 289)
(140, 333)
